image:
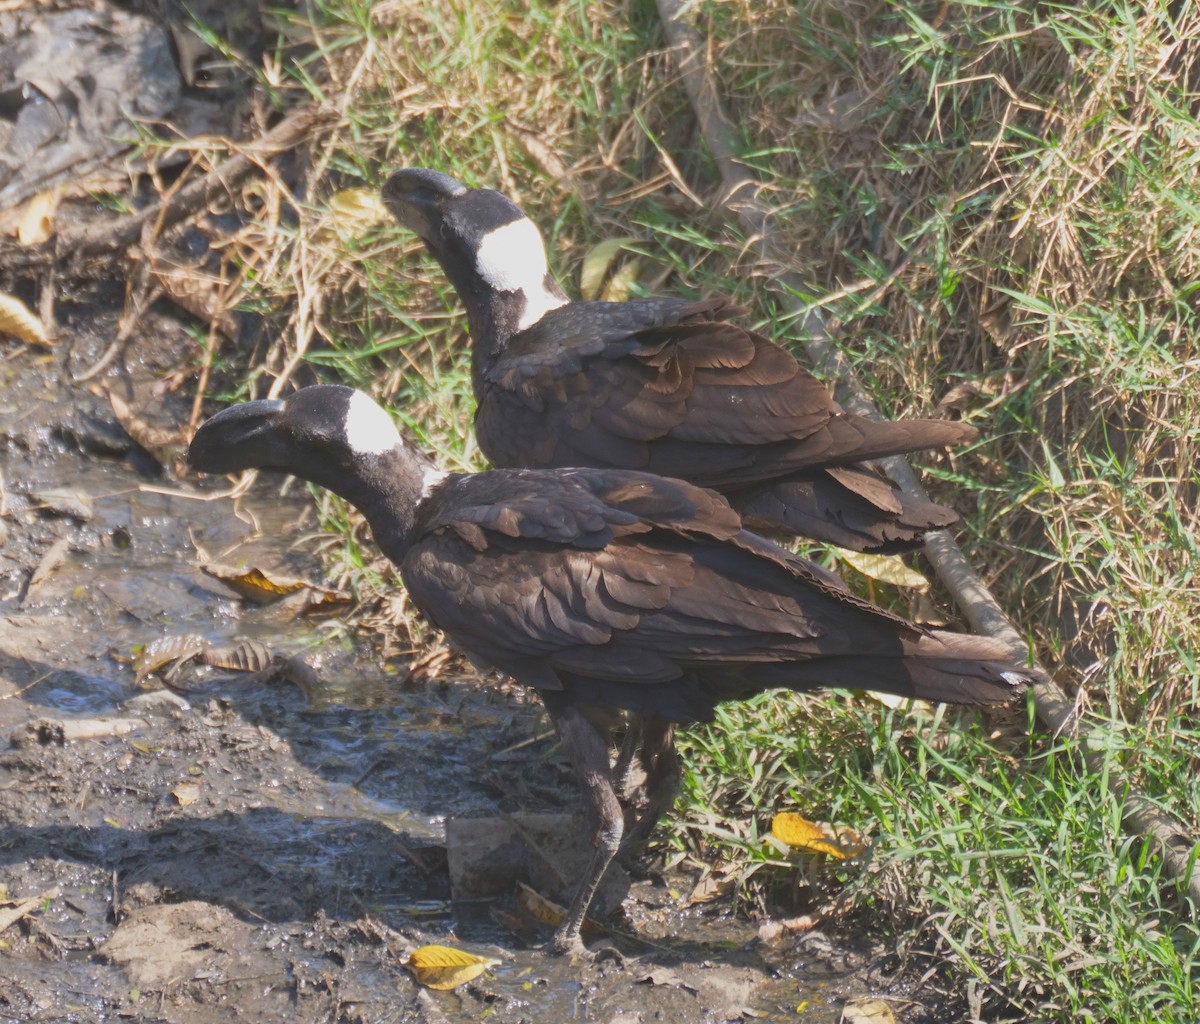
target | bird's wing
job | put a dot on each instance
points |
(654, 383)
(620, 576)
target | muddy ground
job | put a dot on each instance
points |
(271, 846)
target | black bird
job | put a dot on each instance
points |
(604, 590)
(663, 385)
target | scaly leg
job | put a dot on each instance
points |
(588, 751)
(662, 780)
(622, 772)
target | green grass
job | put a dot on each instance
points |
(1006, 868)
(1000, 196)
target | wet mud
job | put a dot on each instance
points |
(272, 845)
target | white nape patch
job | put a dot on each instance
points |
(369, 430)
(512, 258)
(1014, 678)
(431, 478)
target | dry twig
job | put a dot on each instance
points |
(77, 249)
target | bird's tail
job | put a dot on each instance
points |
(854, 507)
(849, 438)
(945, 667)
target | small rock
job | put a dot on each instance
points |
(160, 701)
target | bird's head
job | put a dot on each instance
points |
(328, 434)
(484, 242)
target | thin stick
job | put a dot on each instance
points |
(105, 237)
(1177, 847)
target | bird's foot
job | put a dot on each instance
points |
(572, 946)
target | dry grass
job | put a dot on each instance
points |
(1001, 203)
(1016, 190)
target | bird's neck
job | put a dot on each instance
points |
(503, 293)
(388, 490)
(498, 317)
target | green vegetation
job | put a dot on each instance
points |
(1001, 205)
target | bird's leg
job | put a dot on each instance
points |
(662, 779)
(622, 772)
(588, 751)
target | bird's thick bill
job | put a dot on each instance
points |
(415, 194)
(241, 437)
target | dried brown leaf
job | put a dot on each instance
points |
(167, 650)
(186, 793)
(719, 882)
(37, 219)
(17, 320)
(867, 1011)
(241, 656)
(146, 434)
(539, 151)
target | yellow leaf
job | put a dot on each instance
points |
(622, 281)
(885, 568)
(596, 265)
(926, 613)
(801, 833)
(255, 585)
(538, 907)
(444, 968)
(37, 219)
(15, 319)
(357, 204)
(549, 913)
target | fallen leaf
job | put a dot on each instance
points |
(959, 397)
(209, 297)
(668, 978)
(357, 204)
(867, 1011)
(37, 219)
(538, 907)
(539, 152)
(186, 793)
(550, 913)
(144, 433)
(255, 585)
(59, 731)
(885, 568)
(166, 650)
(803, 834)
(926, 613)
(621, 283)
(596, 265)
(63, 502)
(20, 908)
(718, 882)
(17, 320)
(772, 931)
(444, 968)
(241, 656)
(51, 560)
